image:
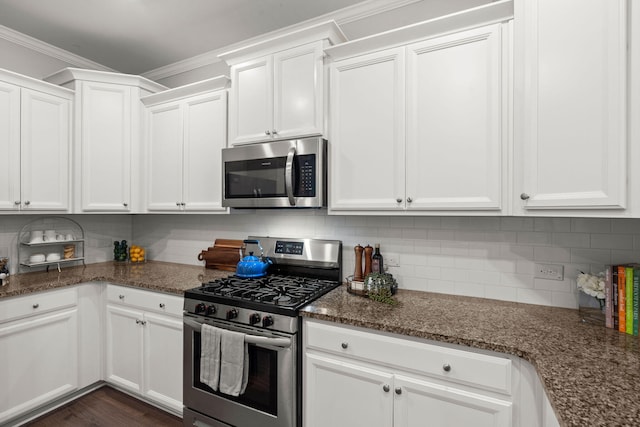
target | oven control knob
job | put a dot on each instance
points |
(210, 310)
(232, 314)
(254, 318)
(200, 308)
(267, 321)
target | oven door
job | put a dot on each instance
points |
(270, 397)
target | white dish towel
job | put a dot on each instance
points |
(234, 363)
(210, 355)
(224, 360)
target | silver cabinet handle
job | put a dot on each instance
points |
(121, 296)
(345, 345)
(36, 305)
(161, 305)
(27, 202)
(446, 367)
(386, 388)
(398, 390)
(524, 196)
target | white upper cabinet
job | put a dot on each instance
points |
(35, 137)
(108, 138)
(422, 127)
(186, 132)
(454, 134)
(571, 142)
(366, 144)
(278, 85)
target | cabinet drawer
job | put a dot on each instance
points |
(36, 303)
(465, 367)
(148, 300)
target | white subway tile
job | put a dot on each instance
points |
(526, 267)
(469, 289)
(624, 257)
(516, 224)
(566, 285)
(471, 236)
(534, 238)
(591, 256)
(564, 299)
(516, 280)
(441, 286)
(530, 296)
(552, 224)
(501, 265)
(414, 233)
(427, 247)
(442, 235)
(551, 254)
(414, 259)
(429, 222)
(516, 251)
(625, 225)
(441, 260)
(428, 272)
(469, 263)
(611, 241)
(414, 283)
(504, 293)
(591, 225)
(485, 277)
(454, 248)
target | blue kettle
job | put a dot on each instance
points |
(251, 266)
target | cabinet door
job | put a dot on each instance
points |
(106, 147)
(419, 403)
(251, 101)
(39, 361)
(164, 178)
(366, 146)
(341, 394)
(10, 146)
(454, 141)
(205, 135)
(124, 347)
(298, 91)
(44, 151)
(163, 360)
(570, 98)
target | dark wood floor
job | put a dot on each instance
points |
(107, 407)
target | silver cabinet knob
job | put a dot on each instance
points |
(161, 305)
(274, 132)
(138, 321)
(386, 388)
(143, 322)
(409, 200)
(178, 204)
(36, 305)
(125, 204)
(267, 132)
(524, 196)
(27, 202)
(182, 204)
(399, 200)
(121, 296)
(345, 345)
(446, 367)
(17, 202)
(398, 390)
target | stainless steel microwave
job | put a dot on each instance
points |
(280, 174)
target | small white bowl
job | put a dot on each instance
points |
(53, 256)
(36, 258)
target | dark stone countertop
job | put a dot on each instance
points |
(154, 275)
(591, 374)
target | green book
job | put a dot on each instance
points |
(629, 299)
(636, 299)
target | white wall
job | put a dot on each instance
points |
(483, 257)
(100, 232)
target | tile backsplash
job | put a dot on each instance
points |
(492, 257)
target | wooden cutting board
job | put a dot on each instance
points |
(223, 255)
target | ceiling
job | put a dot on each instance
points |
(136, 36)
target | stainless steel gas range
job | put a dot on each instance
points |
(265, 310)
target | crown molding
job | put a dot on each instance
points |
(49, 50)
(343, 16)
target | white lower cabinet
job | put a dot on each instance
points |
(144, 344)
(38, 350)
(354, 377)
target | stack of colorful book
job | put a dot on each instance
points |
(622, 288)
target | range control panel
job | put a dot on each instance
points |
(289, 248)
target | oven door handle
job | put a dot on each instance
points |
(288, 176)
(248, 338)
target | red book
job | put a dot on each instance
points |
(622, 301)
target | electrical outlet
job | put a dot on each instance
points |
(549, 271)
(391, 260)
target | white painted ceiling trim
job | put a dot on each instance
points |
(49, 50)
(343, 16)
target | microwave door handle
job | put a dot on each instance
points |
(288, 176)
